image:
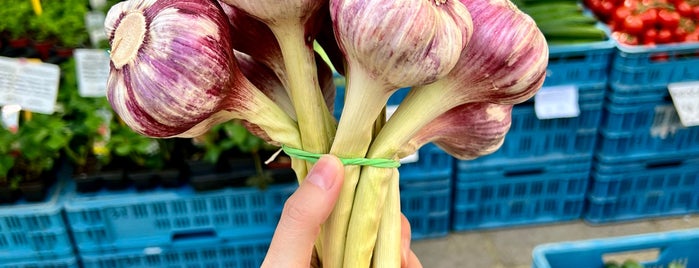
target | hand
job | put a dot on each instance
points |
(307, 209)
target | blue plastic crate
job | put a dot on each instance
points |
(643, 129)
(240, 253)
(680, 246)
(427, 205)
(35, 231)
(530, 137)
(109, 220)
(580, 64)
(644, 69)
(68, 261)
(515, 192)
(663, 185)
(432, 162)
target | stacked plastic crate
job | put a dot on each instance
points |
(35, 234)
(178, 227)
(647, 161)
(425, 179)
(541, 172)
(674, 247)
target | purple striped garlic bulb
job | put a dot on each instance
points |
(466, 131)
(173, 72)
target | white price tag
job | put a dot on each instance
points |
(31, 85)
(98, 4)
(412, 158)
(92, 67)
(685, 96)
(556, 102)
(665, 121)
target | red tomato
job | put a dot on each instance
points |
(631, 4)
(625, 38)
(668, 18)
(692, 37)
(684, 9)
(633, 24)
(649, 36)
(649, 17)
(620, 15)
(695, 10)
(679, 34)
(664, 36)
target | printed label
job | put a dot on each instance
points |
(31, 85)
(92, 67)
(557, 102)
(10, 117)
(685, 96)
(94, 23)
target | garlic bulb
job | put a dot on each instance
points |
(167, 80)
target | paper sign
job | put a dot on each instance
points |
(685, 96)
(92, 67)
(31, 85)
(98, 4)
(556, 102)
(412, 158)
(665, 121)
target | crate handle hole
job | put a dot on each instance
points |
(666, 164)
(193, 234)
(640, 256)
(524, 172)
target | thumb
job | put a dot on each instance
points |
(304, 212)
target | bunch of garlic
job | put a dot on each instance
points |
(180, 67)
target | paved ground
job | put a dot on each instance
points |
(512, 247)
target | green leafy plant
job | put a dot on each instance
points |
(89, 123)
(7, 159)
(39, 143)
(144, 152)
(234, 137)
(15, 20)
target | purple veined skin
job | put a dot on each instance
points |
(167, 80)
(466, 131)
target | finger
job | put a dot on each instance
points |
(413, 261)
(405, 236)
(304, 212)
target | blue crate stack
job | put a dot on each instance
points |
(229, 227)
(35, 234)
(541, 172)
(646, 161)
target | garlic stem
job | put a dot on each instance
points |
(389, 237)
(365, 216)
(353, 137)
(311, 112)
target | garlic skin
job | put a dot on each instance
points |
(401, 43)
(466, 131)
(279, 11)
(510, 72)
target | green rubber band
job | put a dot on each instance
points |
(313, 157)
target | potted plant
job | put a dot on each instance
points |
(70, 19)
(8, 185)
(147, 161)
(14, 25)
(39, 141)
(232, 156)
